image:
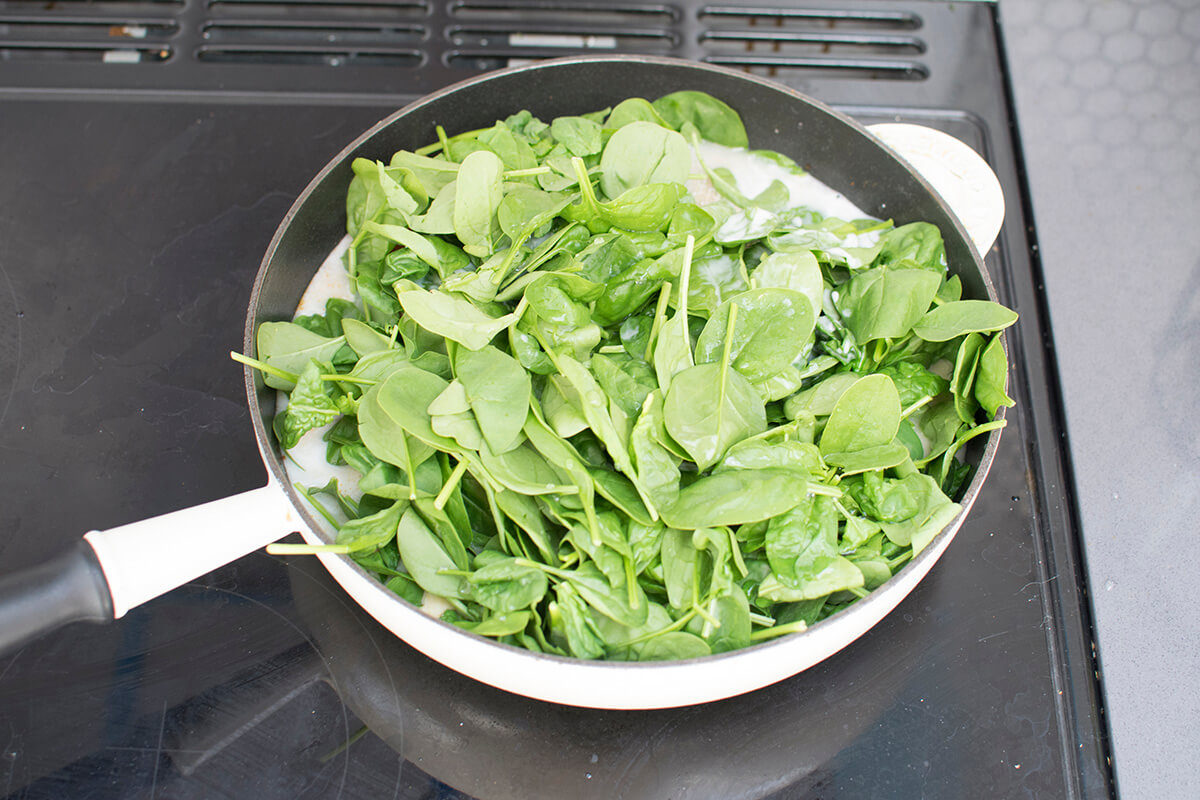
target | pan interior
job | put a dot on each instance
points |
(830, 146)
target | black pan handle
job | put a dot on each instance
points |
(67, 588)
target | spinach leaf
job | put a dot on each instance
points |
(731, 610)
(886, 303)
(633, 109)
(716, 276)
(991, 378)
(674, 646)
(329, 324)
(310, 405)
(453, 317)
(796, 270)
(876, 457)
(372, 532)
(962, 384)
(580, 136)
(364, 339)
(386, 438)
(821, 398)
(803, 540)
(611, 601)
(627, 381)
(772, 330)
(290, 348)
(405, 397)
(514, 151)
(497, 388)
(760, 452)
(498, 625)
(736, 497)
(709, 407)
(713, 119)
(572, 625)
(477, 200)
(866, 415)
(950, 320)
(641, 153)
(646, 207)
(425, 558)
(916, 245)
(506, 584)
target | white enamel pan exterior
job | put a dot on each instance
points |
(145, 559)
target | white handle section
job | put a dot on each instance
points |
(956, 172)
(144, 559)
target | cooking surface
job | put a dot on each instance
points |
(131, 226)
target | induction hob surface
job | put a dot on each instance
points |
(150, 149)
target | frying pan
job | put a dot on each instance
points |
(111, 571)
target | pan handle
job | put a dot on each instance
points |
(68, 588)
(113, 570)
(147, 558)
(956, 172)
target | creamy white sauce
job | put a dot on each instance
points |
(331, 281)
(306, 464)
(754, 174)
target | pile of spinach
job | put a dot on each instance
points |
(598, 419)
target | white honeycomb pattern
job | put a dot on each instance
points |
(1123, 82)
(1108, 103)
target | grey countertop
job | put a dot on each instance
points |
(1108, 103)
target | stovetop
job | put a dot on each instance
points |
(148, 152)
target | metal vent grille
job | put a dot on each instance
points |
(108, 32)
(486, 34)
(410, 47)
(329, 33)
(772, 41)
(842, 42)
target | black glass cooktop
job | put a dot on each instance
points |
(134, 210)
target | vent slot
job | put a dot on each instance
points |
(102, 52)
(783, 67)
(812, 18)
(327, 56)
(500, 34)
(74, 7)
(84, 28)
(330, 11)
(552, 38)
(803, 43)
(80, 33)
(531, 14)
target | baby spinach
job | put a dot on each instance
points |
(310, 404)
(945, 322)
(737, 497)
(773, 328)
(710, 407)
(426, 559)
(866, 415)
(600, 414)
(640, 153)
(288, 348)
(886, 303)
(497, 388)
(453, 317)
(479, 190)
(713, 119)
(991, 378)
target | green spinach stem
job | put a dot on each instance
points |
(264, 367)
